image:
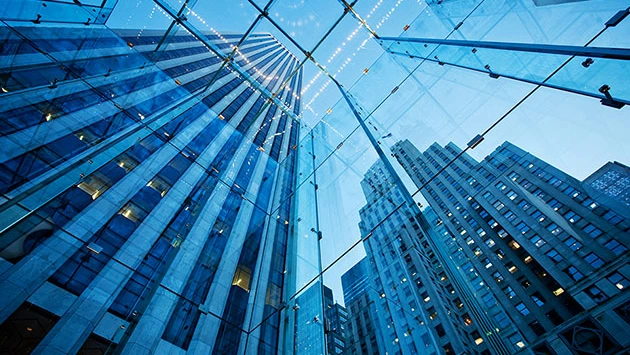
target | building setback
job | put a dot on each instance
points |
(139, 176)
(412, 296)
(553, 254)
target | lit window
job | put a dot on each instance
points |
(537, 240)
(573, 244)
(242, 277)
(618, 280)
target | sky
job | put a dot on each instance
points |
(431, 103)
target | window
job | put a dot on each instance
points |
(242, 278)
(537, 215)
(509, 292)
(540, 193)
(509, 215)
(511, 268)
(570, 191)
(573, 244)
(511, 195)
(522, 309)
(487, 263)
(618, 280)
(524, 228)
(589, 203)
(574, 273)
(554, 229)
(490, 243)
(537, 328)
(498, 205)
(537, 240)
(616, 247)
(492, 223)
(526, 183)
(612, 217)
(524, 205)
(502, 320)
(498, 277)
(593, 231)
(554, 255)
(555, 204)
(514, 245)
(572, 216)
(596, 294)
(517, 341)
(594, 260)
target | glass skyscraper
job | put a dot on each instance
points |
(210, 177)
(140, 177)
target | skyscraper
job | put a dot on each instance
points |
(422, 300)
(554, 256)
(335, 317)
(362, 334)
(146, 185)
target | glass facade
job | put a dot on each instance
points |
(314, 177)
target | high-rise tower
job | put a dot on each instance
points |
(145, 184)
(554, 255)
